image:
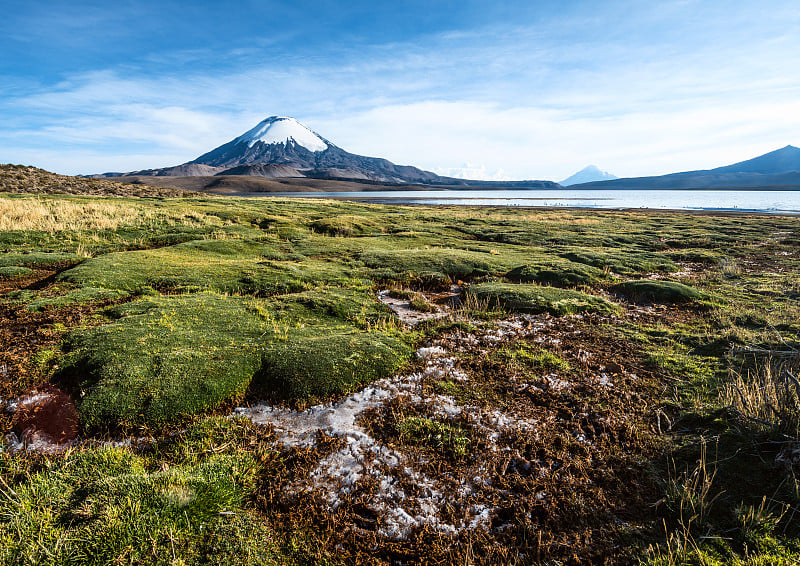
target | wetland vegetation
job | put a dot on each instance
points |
(598, 387)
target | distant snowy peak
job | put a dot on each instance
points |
(587, 175)
(283, 130)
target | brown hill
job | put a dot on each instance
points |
(27, 179)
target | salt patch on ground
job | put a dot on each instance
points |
(406, 498)
(402, 308)
(34, 442)
(27, 401)
(361, 455)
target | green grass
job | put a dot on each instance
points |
(657, 291)
(78, 296)
(621, 261)
(535, 299)
(527, 356)
(318, 367)
(278, 297)
(233, 266)
(450, 440)
(187, 503)
(405, 265)
(346, 225)
(13, 271)
(557, 274)
(164, 360)
(38, 259)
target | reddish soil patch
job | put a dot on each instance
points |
(47, 414)
(23, 334)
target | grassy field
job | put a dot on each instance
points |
(654, 354)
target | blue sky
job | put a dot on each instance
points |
(487, 89)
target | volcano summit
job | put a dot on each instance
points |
(282, 147)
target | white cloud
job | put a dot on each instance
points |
(530, 143)
(531, 102)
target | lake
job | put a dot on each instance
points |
(723, 200)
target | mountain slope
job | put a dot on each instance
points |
(281, 140)
(587, 175)
(779, 168)
(281, 147)
(781, 160)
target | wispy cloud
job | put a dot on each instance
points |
(678, 85)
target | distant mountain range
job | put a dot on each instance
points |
(587, 175)
(280, 147)
(777, 169)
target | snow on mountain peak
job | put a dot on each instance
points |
(587, 175)
(283, 129)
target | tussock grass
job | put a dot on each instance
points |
(768, 394)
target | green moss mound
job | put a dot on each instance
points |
(622, 261)
(78, 296)
(38, 259)
(13, 272)
(535, 299)
(346, 225)
(165, 359)
(228, 266)
(696, 256)
(567, 274)
(443, 262)
(352, 305)
(654, 291)
(323, 366)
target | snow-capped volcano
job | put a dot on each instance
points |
(281, 140)
(282, 147)
(283, 130)
(587, 175)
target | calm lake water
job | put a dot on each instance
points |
(743, 200)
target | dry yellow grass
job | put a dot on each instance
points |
(768, 394)
(57, 215)
(52, 215)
